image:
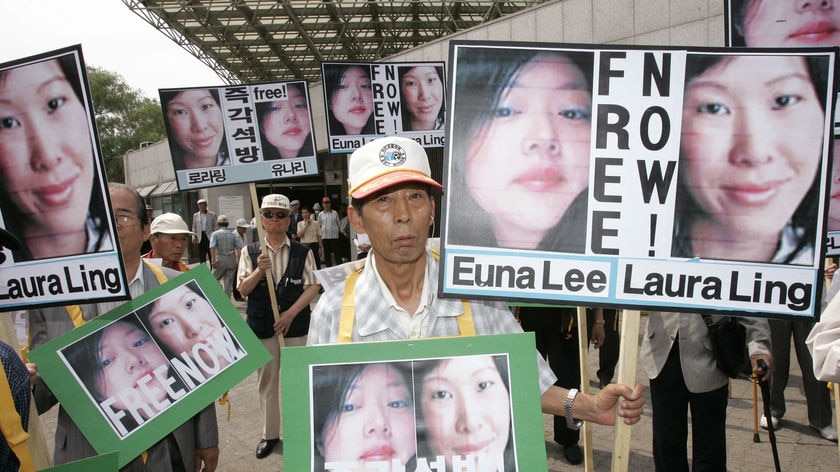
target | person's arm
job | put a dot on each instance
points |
(758, 344)
(281, 326)
(249, 283)
(206, 439)
(302, 228)
(213, 250)
(824, 343)
(599, 408)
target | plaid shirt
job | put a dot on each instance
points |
(376, 322)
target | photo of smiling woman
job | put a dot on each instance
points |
(349, 99)
(125, 372)
(521, 134)
(195, 127)
(792, 23)
(465, 412)
(51, 192)
(363, 413)
(422, 97)
(286, 126)
(190, 333)
(749, 179)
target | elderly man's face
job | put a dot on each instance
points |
(169, 247)
(133, 233)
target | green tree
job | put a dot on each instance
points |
(124, 119)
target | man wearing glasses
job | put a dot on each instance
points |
(292, 267)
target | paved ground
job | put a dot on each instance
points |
(800, 448)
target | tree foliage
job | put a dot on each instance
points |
(124, 119)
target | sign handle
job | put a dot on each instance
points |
(627, 360)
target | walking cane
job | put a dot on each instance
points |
(756, 437)
(765, 397)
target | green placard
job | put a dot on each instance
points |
(436, 403)
(120, 375)
(101, 463)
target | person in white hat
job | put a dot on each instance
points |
(203, 225)
(224, 253)
(395, 295)
(170, 238)
(292, 267)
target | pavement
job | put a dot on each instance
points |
(799, 446)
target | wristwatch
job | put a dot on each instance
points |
(571, 422)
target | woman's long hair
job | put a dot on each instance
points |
(270, 152)
(406, 114)
(330, 386)
(178, 152)
(333, 73)
(425, 367)
(482, 76)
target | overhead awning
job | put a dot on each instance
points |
(165, 188)
(145, 191)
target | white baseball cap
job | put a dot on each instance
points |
(275, 200)
(170, 223)
(243, 223)
(386, 162)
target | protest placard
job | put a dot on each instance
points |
(239, 133)
(662, 178)
(53, 198)
(366, 101)
(121, 375)
(416, 383)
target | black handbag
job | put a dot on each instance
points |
(729, 342)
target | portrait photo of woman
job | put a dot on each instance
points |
(286, 125)
(51, 190)
(751, 151)
(422, 97)
(465, 412)
(790, 23)
(120, 362)
(521, 148)
(363, 413)
(195, 127)
(349, 96)
(186, 325)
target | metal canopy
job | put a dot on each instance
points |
(261, 40)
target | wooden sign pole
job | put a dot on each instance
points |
(627, 360)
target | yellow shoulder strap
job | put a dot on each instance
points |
(466, 326)
(12, 429)
(159, 275)
(75, 312)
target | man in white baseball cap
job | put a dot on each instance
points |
(391, 200)
(292, 267)
(170, 238)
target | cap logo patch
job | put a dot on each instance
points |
(392, 155)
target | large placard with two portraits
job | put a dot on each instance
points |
(59, 243)
(239, 133)
(682, 179)
(129, 377)
(460, 403)
(367, 100)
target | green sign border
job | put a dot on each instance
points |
(529, 438)
(87, 415)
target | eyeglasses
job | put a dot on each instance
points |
(270, 214)
(126, 220)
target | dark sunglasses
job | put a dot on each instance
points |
(270, 214)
